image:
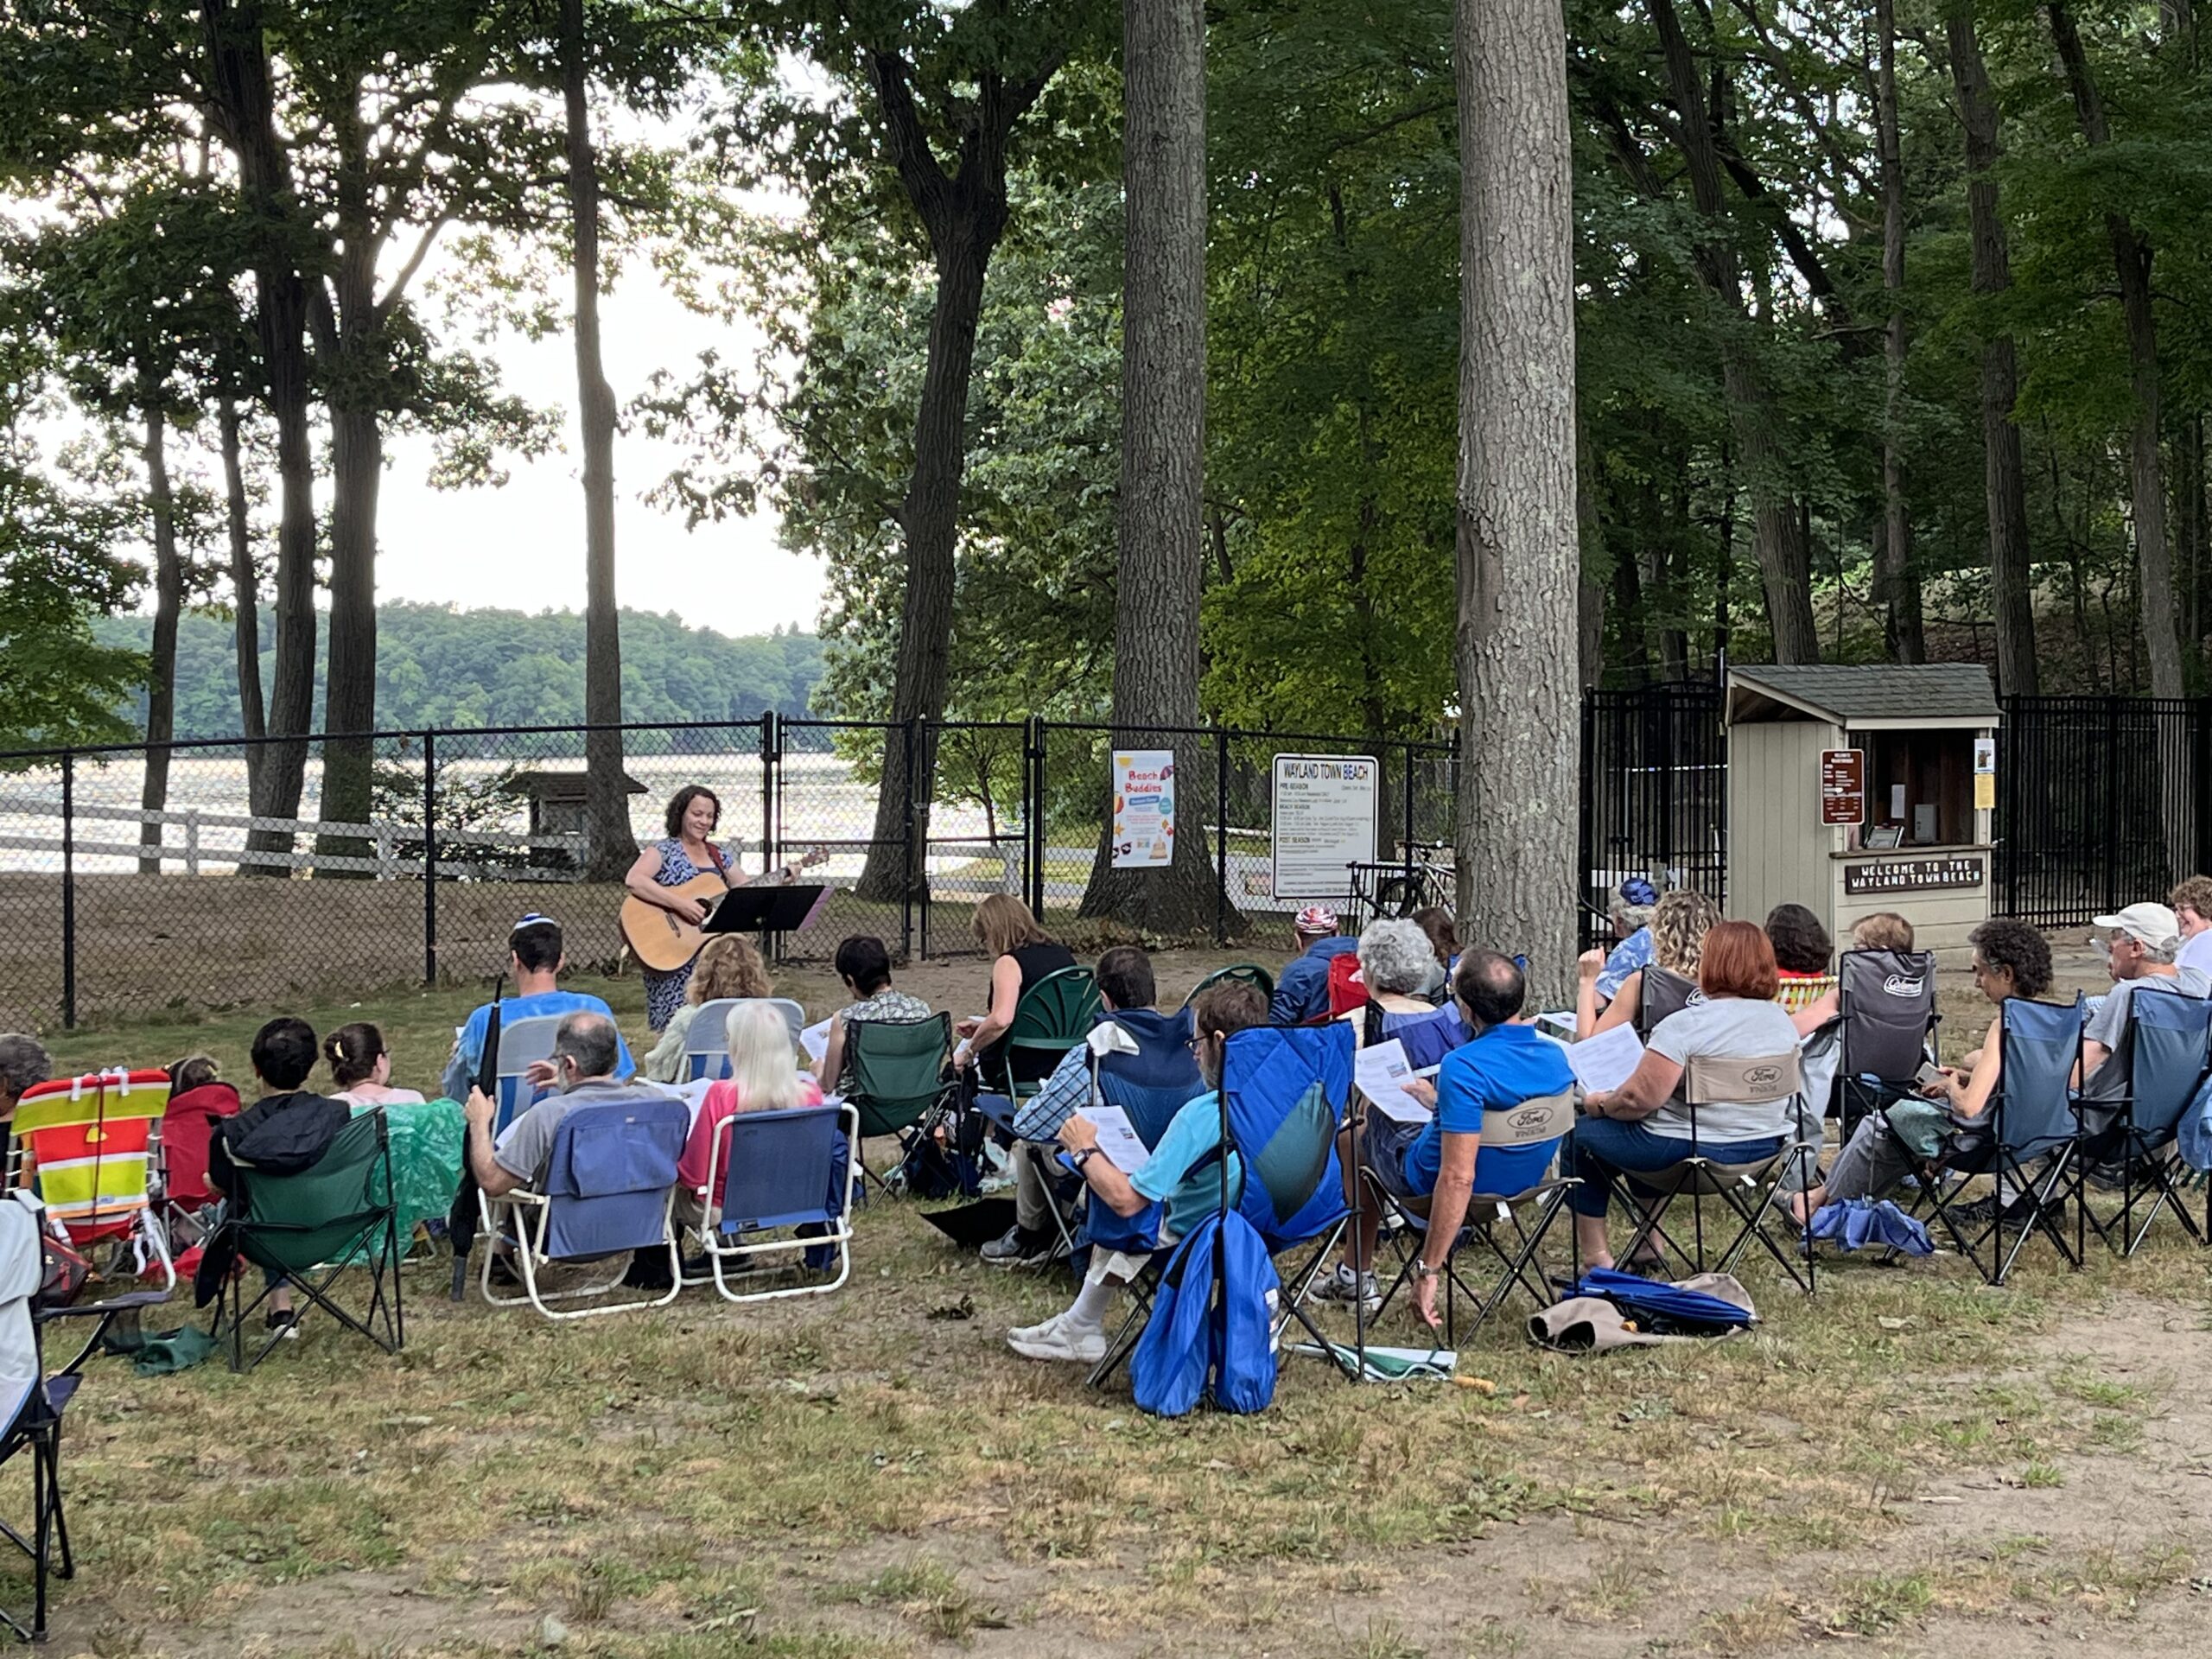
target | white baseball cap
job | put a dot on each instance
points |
(2150, 924)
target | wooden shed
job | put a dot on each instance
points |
(1859, 788)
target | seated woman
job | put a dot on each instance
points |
(1884, 931)
(763, 1078)
(2010, 959)
(864, 963)
(360, 1065)
(1645, 1125)
(728, 966)
(1022, 954)
(1629, 911)
(1804, 955)
(1443, 937)
(1395, 959)
(1679, 921)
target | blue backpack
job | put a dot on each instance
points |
(1193, 1347)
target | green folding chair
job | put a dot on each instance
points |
(1237, 973)
(1053, 1015)
(895, 1078)
(312, 1227)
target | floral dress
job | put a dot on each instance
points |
(665, 992)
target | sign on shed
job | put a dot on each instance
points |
(1843, 787)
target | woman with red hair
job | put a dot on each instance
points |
(1645, 1125)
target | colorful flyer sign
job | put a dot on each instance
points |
(1325, 808)
(1144, 809)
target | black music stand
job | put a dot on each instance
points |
(760, 908)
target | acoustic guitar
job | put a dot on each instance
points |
(663, 941)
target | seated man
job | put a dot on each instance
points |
(1302, 993)
(1181, 1175)
(587, 1053)
(1128, 991)
(536, 959)
(2141, 954)
(1432, 1167)
(23, 1061)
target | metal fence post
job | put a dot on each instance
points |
(908, 732)
(1221, 836)
(429, 858)
(1033, 812)
(2111, 813)
(68, 891)
(771, 741)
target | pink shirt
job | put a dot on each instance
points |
(720, 1106)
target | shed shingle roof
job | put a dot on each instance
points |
(1856, 691)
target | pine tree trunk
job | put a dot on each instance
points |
(2004, 470)
(245, 584)
(1162, 518)
(1519, 774)
(169, 603)
(1897, 578)
(607, 806)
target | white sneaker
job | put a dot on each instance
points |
(1341, 1286)
(1057, 1339)
(1033, 1332)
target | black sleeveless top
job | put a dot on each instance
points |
(1035, 961)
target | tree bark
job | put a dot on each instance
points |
(2004, 473)
(2132, 258)
(245, 584)
(1897, 578)
(169, 604)
(1161, 525)
(1518, 561)
(606, 800)
(964, 213)
(242, 106)
(1592, 568)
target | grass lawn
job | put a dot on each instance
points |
(1909, 1462)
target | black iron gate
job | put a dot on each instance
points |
(1655, 795)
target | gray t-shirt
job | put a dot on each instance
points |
(1733, 1027)
(2110, 1080)
(527, 1146)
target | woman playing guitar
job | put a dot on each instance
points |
(687, 852)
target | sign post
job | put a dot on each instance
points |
(1325, 809)
(1843, 787)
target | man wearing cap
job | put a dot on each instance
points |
(1302, 991)
(535, 959)
(2141, 944)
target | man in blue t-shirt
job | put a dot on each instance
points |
(1183, 1174)
(536, 959)
(1433, 1167)
(1302, 993)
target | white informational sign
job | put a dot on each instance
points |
(1144, 809)
(1325, 807)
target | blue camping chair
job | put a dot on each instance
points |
(2032, 1119)
(1284, 1091)
(706, 1040)
(2167, 1048)
(609, 1190)
(521, 1043)
(777, 1172)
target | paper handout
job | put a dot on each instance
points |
(1381, 1071)
(1117, 1138)
(1602, 1064)
(815, 1040)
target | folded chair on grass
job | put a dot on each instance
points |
(1283, 1094)
(706, 1040)
(609, 1190)
(788, 1174)
(1745, 1191)
(89, 1142)
(895, 1080)
(2168, 1044)
(313, 1227)
(1510, 1228)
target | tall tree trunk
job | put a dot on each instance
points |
(246, 584)
(2004, 472)
(1161, 520)
(350, 693)
(965, 214)
(244, 109)
(1724, 577)
(1520, 771)
(606, 800)
(169, 603)
(1896, 577)
(2131, 257)
(1593, 568)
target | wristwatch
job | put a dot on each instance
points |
(1422, 1270)
(1084, 1157)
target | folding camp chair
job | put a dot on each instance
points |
(2167, 1048)
(1664, 991)
(706, 1043)
(89, 1140)
(522, 1043)
(2031, 1116)
(1886, 1003)
(181, 1144)
(1747, 1190)
(1240, 973)
(895, 1078)
(609, 1190)
(1053, 1016)
(1283, 1094)
(774, 1172)
(34, 1401)
(1511, 1227)
(311, 1227)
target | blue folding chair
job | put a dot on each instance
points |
(706, 1040)
(2167, 1049)
(789, 1174)
(2032, 1119)
(522, 1044)
(609, 1190)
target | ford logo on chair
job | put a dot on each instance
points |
(1762, 1077)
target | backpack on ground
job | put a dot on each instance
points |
(1211, 1333)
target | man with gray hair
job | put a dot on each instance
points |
(587, 1050)
(2141, 945)
(23, 1061)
